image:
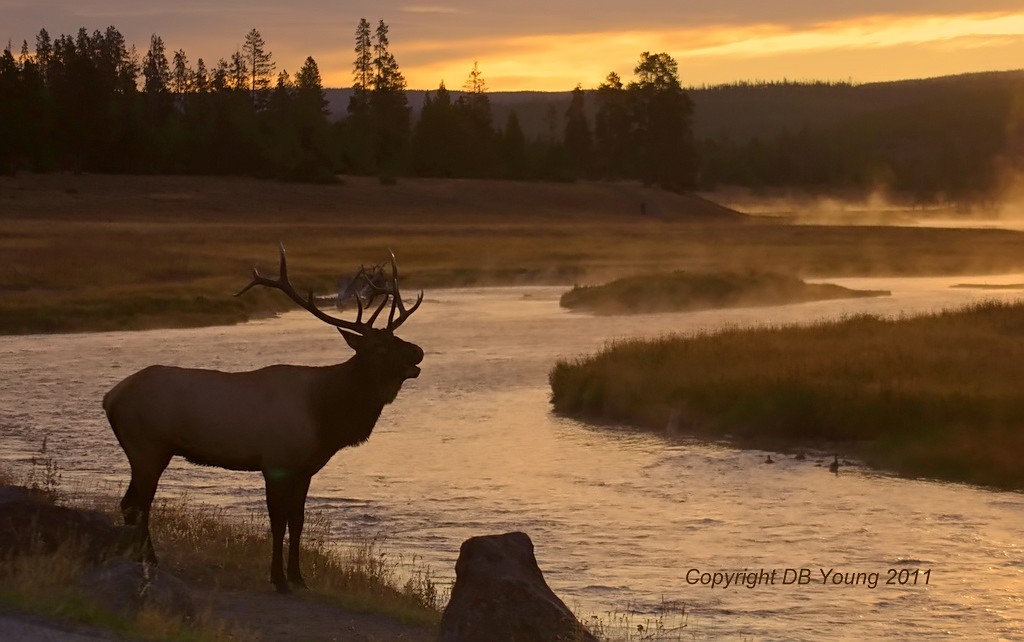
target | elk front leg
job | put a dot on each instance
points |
(279, 495)
(296, 518)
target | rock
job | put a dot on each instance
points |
(31, 523)
(124, 586)
(500, 596)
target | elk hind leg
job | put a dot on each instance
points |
(136, 503)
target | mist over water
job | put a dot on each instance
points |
(619, 519)
(1004, 211)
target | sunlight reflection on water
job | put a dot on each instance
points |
(618, 518)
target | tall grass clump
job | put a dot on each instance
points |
(937, 396)
(682, 291)
(210, 549)
(50, 582)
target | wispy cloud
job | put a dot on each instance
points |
(431, 9)
(559, 61)
(864, 33)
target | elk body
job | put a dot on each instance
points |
(285, 421)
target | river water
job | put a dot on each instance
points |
(625, 525)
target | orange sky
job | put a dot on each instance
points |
(534, 45)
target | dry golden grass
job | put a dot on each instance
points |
(213, 552)
(107, 252)
(936, 396)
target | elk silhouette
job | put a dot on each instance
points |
(285, 421)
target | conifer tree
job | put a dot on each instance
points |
(238, 71)
(612, 129)
(661, 113)
(362, 70)
(388, 103)
(261, 67)
(577, 134)
(181, 76)
(155, 68)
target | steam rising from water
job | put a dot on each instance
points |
(1005, 211)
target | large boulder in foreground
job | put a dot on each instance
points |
(500, 596)
(31, 524)
(125, 586)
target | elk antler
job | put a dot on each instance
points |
(307, 303)
(396, 299)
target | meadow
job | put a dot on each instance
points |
(97, 252)
(936, 396)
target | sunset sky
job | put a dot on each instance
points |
(552, 46)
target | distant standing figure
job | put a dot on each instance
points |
(643, 208)
(834, 466)
(769, 460)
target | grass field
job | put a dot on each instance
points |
(936, 396)
(109, 252)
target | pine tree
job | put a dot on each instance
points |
(387, 78)
(577, 134)
(201, 78)
(181, 76)
(261, 67)
(388, 104)
(661, 113)
(612, 129)
(309, 87)
(238, 71)
(362, 70)
(475, 143)
(434, 137)
(155, 68)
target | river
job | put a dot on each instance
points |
(625, 525)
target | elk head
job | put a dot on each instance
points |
(387, 357)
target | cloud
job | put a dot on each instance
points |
(431, 9)
(559, 61)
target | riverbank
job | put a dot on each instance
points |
(92, 252)
(356, 593)
(935, 396)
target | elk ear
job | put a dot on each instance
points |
(354, 341)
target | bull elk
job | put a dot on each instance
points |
(285, 421)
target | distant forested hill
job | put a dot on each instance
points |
(743, 111)
(953, 138)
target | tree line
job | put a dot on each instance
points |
(954, 140)
(88, 102)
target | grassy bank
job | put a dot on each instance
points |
(686, 291)
(212, 552)
(936, 396)
(111, 252)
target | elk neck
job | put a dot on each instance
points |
(347, 400)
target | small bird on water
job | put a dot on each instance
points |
(769, 460)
